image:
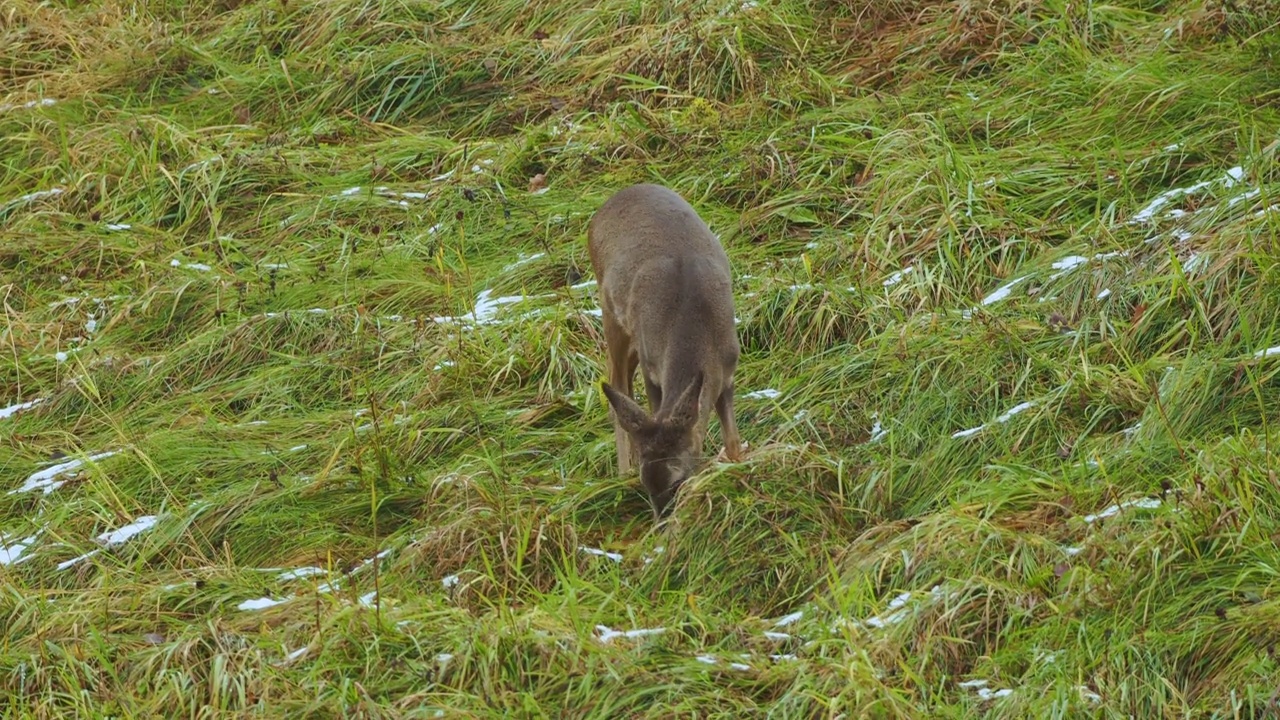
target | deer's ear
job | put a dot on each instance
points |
(684, 414)
(631, 416)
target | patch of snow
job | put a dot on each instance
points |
(485, 312)
(369, 599)
(261, 603)
(1141, 503)
(739, 666)
(894, 613)
(897, 276)
(12, 554)
(781, 658)
(91, 325)
(706, 659)
(190, 266)
(42, 102)
(607, 634)
(122, 535)
(442, 365)
(1171, 148)
(76, 560)
(1066, 265)
(786, 620)
(776, 636)
(450, 581)
(1004, 417)
(302, 572)
(759, 394)
(414, 195)
(1268, 352)
(32, 197)
(877, 431)
(1073, 551)
(118, 226)
(1089, 695)
(1105, 293)
(44, 479)
(296, 654)
(1003, 291)
(60, 356)
(616, 557)
(350, 191)
(523, 260)
(19, 407)
(1230, 179)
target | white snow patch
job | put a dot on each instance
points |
(776, 636)
(118, 226)
(19, 407)
(296, 654)
(897, 276)
(76, 560)
(739, 666)
(878, 432)
(607, 634)
(1002, 418)
(766, 393)
(442, 365)
(1105, 293)
(706, 659)
(523, 260)
(60, 356)
(190, 266)
(1268, 352)
(369, 599)
(450, 581)
(302, 572)
(1232, 176)
(12, 554)
(1073, 551)
(1066, 265)
(894, 614)
(616, 557)
(261, 603)
(42, 102)
(1089, 695)
(31, 197)
(786, 620)
(1142, 503)
(351, 191)
(485, 311)
(122, 535)
(1003, 291)
(44, 479)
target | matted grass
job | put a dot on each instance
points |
(302, 366)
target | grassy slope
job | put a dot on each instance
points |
(258, 348)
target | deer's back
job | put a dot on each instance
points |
(644, 232)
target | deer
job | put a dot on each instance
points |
(666, 299)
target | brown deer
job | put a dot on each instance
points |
(666, 297)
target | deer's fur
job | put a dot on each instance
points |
(666, 297)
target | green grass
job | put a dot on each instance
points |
(232, 237)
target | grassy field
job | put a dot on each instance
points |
(302, 360)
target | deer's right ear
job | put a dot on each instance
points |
(686, 407)
(631, 416)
